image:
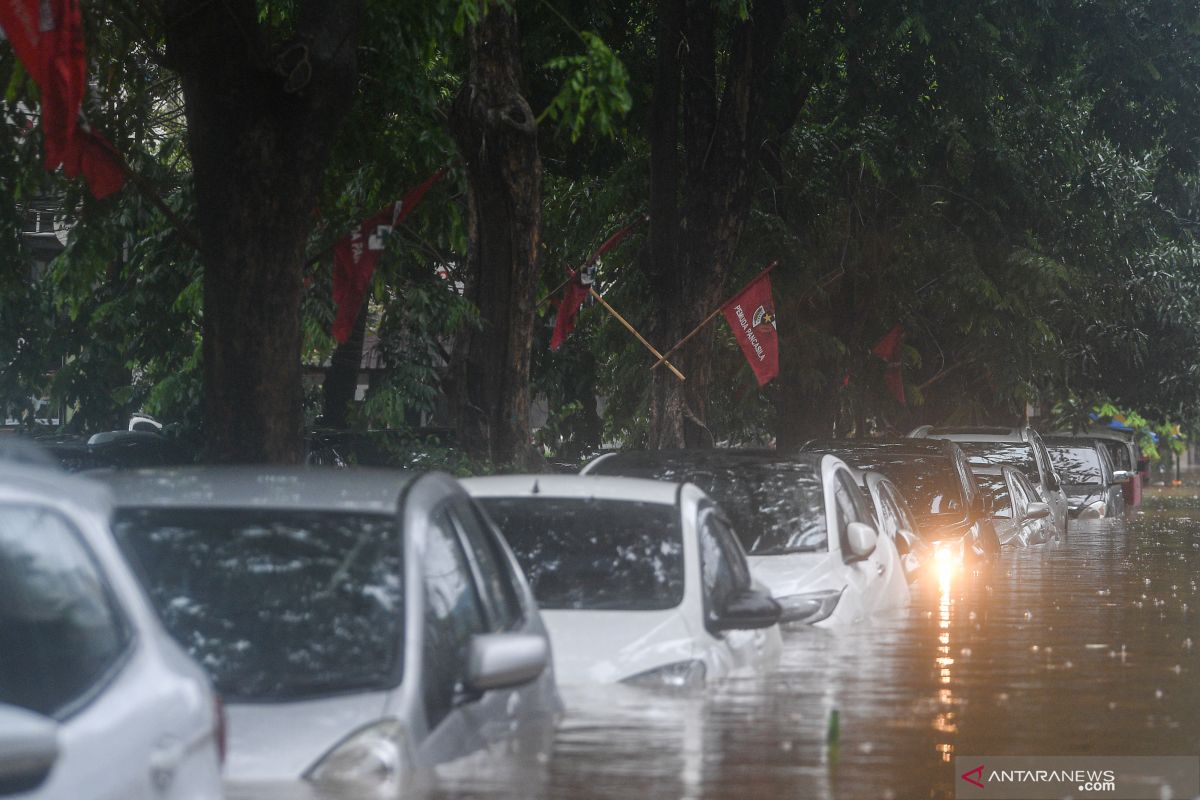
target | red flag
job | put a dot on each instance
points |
(579, 287)
(889, 348)
(47, 35)
(751, 317)
(355, 256)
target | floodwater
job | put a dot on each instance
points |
(1088, 646)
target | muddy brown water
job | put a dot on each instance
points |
(1088, 646)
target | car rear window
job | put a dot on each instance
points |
(931, 485)
(1017, 455)
(594, 554)
(774, 506)
(1078, 464)
(275, 604)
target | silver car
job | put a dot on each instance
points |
(363, 626)
(1019, 514)
(96, 700)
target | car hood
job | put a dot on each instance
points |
(797, 573)
(282, 741)
(609, 646)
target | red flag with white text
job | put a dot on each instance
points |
(751, 317)
(890, 349)
(356, 255)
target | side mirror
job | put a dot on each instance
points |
(861, 540)
(505, 660)
(1122, 475)
(751, 609)
(1037, 511)
(28, 750)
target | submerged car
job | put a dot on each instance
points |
(1125, 455)
(937, 482)
(363, 626)
(1019, 514)
(1094, 488)
(1020, 447)
(896, 521)
(638, 581)
(107, 706)
(802, 520)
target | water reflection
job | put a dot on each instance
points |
(1085, 646)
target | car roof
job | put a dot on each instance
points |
(724, 456)
(913, 447)
(274, 487)
(1071, 441)
(586, 486)
(55, 485)
(980, 433)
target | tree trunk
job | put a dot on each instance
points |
(341, 379)
(697, 215)
(496, 131)
(261, 118)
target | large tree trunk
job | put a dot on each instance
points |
(697, 214)
(261, 118)
(496, 132)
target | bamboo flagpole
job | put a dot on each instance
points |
(662, 359)
(827, 280)
(712, 316)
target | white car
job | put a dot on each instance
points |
(111, 707)
(365, 626)
(1018, 513)
(801, 518)
(638, 581)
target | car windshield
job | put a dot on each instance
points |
(1078, 464)
(931, 485)
(589, 553)
(275, 603)
(1017, 455)
(774, 506)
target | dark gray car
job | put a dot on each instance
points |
(1093, 487)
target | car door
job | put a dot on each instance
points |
(504, 717)
(454, 613)
(725, 574)
(877, 581)
(1032, 531)
(68, 651)
(1050, 486)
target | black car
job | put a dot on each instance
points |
(936, 479)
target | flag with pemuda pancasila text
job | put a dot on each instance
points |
(751, 317)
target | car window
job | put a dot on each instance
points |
(1106, 464)
(1018, 455)
(275, 603)
(996, 487)
(774, 506)
(494, 571)
(1078, 464)
(721, 582)
(848, 502)
(453, 615)
(594, 553)
(1024, 493)
(61, 634)
(1118, 453)
(907, 522)
(889, 515)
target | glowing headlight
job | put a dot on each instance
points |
(375, 756)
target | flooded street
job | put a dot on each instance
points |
(1081, 647)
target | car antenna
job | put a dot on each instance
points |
(536, 489)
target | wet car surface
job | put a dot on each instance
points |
(1085, 646)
